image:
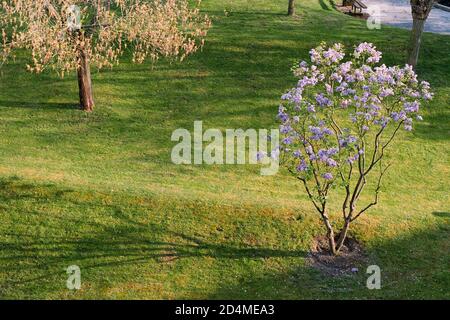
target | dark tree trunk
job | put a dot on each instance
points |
(291, 8)
(416, 39)
(420, 10)
(84, 81)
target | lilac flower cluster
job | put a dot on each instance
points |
(321, 56)
(320, 132)
(368, 52)
(338, 105)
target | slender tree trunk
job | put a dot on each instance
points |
(416, 39)
(342, 235)
(291, 8)
(332, 242)
(330, 234)
(84, 81)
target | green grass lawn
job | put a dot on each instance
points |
(99, 190)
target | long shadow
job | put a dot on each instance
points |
(34, 253)
(30, 259)
(413, 266)
(442, 214)
(324, 5)
(436, 126)
(37, 105)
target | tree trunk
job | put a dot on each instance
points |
(84, 81)
(291, 8)
(330, 234)
(342, 235)
(332, 242)
(414, 45)
(420, 10)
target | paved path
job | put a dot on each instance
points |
(398, 13)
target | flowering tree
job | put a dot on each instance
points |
(338, 122)
(72, 34)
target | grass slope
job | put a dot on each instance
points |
(99, 190)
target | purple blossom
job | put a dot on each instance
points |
(336, 77)
(287, 140)
(319, 132)
(323, 101)
(411, 106)
(332, 55)
(397, 116)
(297, 154)
(282, 115)
(345, 103)
(311, 108)
(302, 166)
(328, 90)
(352, 159)
(346, 141)
(327, 176)
(331, 162)
(345, 67)
(284, 129)
(386, 92)
(368, 51)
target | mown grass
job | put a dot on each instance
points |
(99, 190)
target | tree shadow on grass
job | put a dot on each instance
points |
(445, 215)
(324, 5)
(38, 105)
(435, 127)
(34, 257)
(48, 228)
(414, 266)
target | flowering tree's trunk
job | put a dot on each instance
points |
(84, 81)
(291, 8)
(336, 242)
(420, 10)
(330, 234)
(342, 235)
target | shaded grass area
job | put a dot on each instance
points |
(99, 190)
(147, 247)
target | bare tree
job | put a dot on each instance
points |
(70, 35)
(291, 8)
(420, 10)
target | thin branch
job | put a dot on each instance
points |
(307, 190)
(384, 147)
(377, 191)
